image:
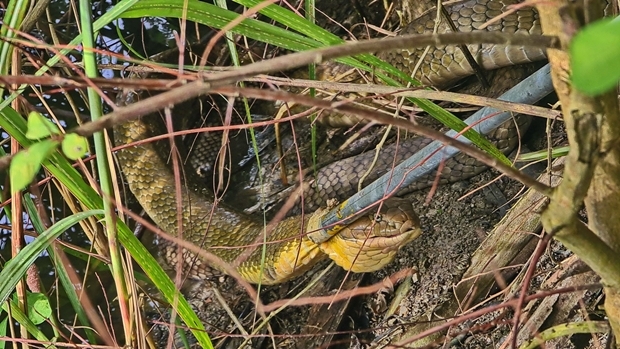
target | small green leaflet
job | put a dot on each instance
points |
(74, 146)
(39, 308)
(26, 164)
(40, 127)
(594, 57)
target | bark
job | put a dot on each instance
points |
(592, 172)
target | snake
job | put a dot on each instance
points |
(376, 236)
(367, 244)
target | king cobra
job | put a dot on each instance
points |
(366, 245)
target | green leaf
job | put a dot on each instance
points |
(214, 16)
(40, 127)
(39, 308)
(16, 268)
(24, 321)
(543, 154)
(74, 146)
(26, 164)
(3, 326)
(594, 55)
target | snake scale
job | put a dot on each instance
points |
(367, 244)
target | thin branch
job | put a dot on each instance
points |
(386, 120)
(168, 84)
(343, 295)
(300, 59)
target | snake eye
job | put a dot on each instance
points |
(378, 218)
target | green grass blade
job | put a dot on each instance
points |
(13, 18)
(23, 320)
(213, 16)
(60, 271)
(16, 268)
(295, 22)
(103, 167)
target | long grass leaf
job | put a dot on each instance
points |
(16, 268)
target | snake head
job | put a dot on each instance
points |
(371, 242)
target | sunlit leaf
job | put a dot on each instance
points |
(39, 308)
(27, 163)
(74, 146)
(40, 127)
(594, 55)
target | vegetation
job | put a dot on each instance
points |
(590, 111)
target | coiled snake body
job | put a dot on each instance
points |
(225, 232)
(367, 244)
